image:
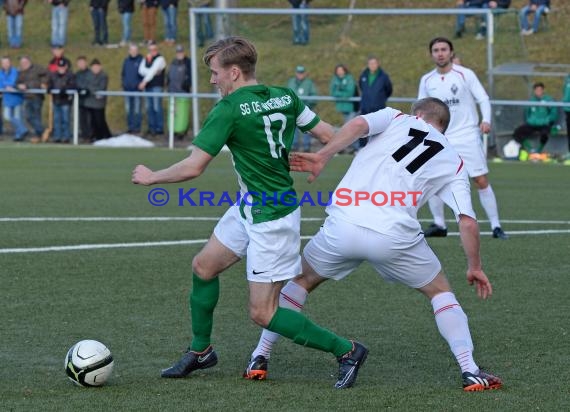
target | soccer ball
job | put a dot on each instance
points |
(89, 363)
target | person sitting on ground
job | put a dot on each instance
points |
(538, 119)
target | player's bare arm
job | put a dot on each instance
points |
(187, 169)
(469, 232)
(323, 131)
(315, 162)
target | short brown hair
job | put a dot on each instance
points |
(440, 40)
(234, 51)
(434, 111)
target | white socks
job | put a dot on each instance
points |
(436, 208)
(452, 324)
(292, 297)
(489, 203)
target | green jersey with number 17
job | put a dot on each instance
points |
(258, 124)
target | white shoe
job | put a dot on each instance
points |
(479, 36)
(527, 32)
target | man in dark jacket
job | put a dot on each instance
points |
(97, 80)
(32, 76)
(126, 10)
(57, 53)
(375, 89)
(15, 21)
(98, 9)
(130, 80)
(81, 76)
(58, 83)
(178, 80)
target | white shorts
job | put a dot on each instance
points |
(340, 247)
(471, 151)
(271, 248)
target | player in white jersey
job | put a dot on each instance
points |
(405, 154)
(460, 89)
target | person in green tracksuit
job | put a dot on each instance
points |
(343, 86)
(538, 119)
(303, 86)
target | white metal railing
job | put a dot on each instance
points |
(172, 96)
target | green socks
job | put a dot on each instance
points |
(203, 300)
(301, 330)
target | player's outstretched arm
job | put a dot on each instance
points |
(352, 130)
(323, 131)
(315, 162)
(187, 169)
(469, 232)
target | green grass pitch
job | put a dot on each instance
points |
(134, 299)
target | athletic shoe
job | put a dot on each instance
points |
(435, 231)
(256, 369)
(480, 381)
(191, 361)
(499, 233)
(349, 364)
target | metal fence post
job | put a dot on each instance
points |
(75, 118)
(171, 109)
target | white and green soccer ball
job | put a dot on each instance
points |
(89, 363)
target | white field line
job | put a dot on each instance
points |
(200, 241)
(216, 218)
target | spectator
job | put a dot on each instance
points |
(149, 9)
(126, 10)
(98, 9)
(538, 7)
(32, 76)
(130, 80)
(456, 59)
(57, 52)
(82, 83)
(566, 99)
(169, 11)
(15, 21)
(465, 4)
(58, 84)
(538, 119)
(343, 86)
(375, 89)
(12, 104)
(59, 14)
(97, 81)
(300, 22)
(152, 69)
(493, 5)
(203, 22)
(303, 86)
(179, 81)
(479, 4)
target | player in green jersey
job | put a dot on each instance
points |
(257, 123)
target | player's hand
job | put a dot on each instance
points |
(485, 127)
(142, 175)
(481, 282)
(307, 162)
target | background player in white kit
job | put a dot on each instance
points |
(460, 89)
(404, 153)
